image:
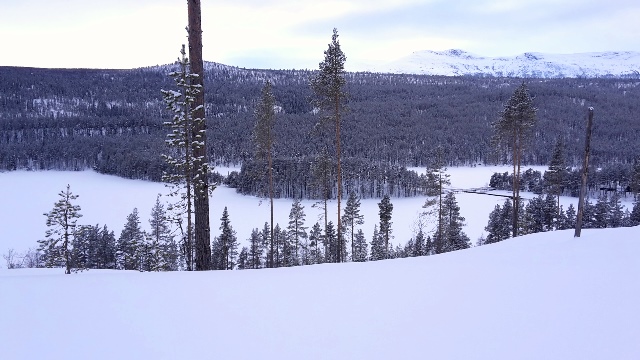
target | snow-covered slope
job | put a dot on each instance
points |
(544, 296)
(458, 62)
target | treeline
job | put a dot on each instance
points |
(312, 178)
(111, 120)
(163, 247)
(621, 179)
(543, 213)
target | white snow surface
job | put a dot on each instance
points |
(543, 296)
(456, 62)
(106, 199)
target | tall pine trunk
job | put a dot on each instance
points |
(585, 172)
(339, 176)
(270, 163)
(515, 185)
(201, 201)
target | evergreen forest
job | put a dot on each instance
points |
(113, 121)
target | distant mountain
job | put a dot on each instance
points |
(529, 65)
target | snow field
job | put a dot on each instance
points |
(542, 296)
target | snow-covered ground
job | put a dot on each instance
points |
(108, 200)
(543, 296)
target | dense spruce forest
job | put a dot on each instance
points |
(112, 121)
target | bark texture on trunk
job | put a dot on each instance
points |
(201, 201)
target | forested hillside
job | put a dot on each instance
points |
(112, 120)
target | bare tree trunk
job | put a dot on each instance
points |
(439, 239)
(339, 176)
(516, 209)
(270, 162)
(189, 243)
(515, 185)
(353, 228)
(201, 203)
(65, 245)
(325, 175)
(585, 171)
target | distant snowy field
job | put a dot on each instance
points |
(542, 296)
(108, 200)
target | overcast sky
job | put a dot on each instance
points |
(284, 34)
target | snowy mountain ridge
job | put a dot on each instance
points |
(455, 62)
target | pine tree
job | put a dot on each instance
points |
(105, 249)
(359, 253)
(634, 218)
(555, 176)
(437, 178)
(128, 254)
(217, 254)
(626, 219)
(635, 178)
(227, 244)
(551, 211)
(352, 218)
(499, 226)
(163, 245)
(254, 255)
(84, 243)
(278, 244)
(62, 220)
(570, 217)
(589, 215)
(315, 238)
(296, 229)
(263, 141)
(189, 169)
(561, 220)
(601, 213)
(494, 227)
(331, 243)
(385, 209)
(288, 254)
(153, 258)
(534, 216)
(616, 212)
(455, 238)
(540, 215)
(265, 246)
(243, 259)
(378, 251)
(513, 129)
(328, 87)
(419, 248)
(94, 247)
(428, 246)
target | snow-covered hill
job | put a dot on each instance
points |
(543, 296)
(538, 65)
